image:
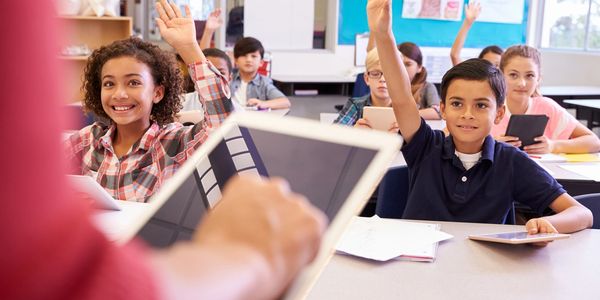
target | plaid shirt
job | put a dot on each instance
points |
(158, 154)
(353, 110)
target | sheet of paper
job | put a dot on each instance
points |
(585, 157)
(501, 11)
(549, 157)
(450, 10)
(591, 171)
(384, 239)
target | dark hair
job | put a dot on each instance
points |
(188, 84)
(476, 69)
(162, 65)
(214, 52)
(493, 49)
(412, 51)
(248, 45)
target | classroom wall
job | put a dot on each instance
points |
(570, 68)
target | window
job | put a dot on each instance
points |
(571, 24)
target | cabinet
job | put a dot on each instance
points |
(93, 32)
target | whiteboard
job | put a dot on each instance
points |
(281, 24)
(501, 11)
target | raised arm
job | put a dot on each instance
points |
(405, 108)
(179, 31)
(213, 22)
(472, 11)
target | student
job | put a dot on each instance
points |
(136, 86)
(424, 93)
(213, 22)
(490, 53)
(220, 60)
(352, 112)
(468, 176)
(564, 134)
(250, 88)
(51, 250)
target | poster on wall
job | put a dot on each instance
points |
(450, 10)
(501, 11)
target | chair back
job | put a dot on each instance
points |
(592, 202)
(393, 193)
(360, 86)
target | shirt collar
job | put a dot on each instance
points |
(144, 143)
(487, 150)
(255, 80)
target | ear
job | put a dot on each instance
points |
(500, 112)
(420, 69)
(443, 110)
(159, 93)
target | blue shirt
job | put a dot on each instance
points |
(353, 110)
(260, 87)
(441, 189)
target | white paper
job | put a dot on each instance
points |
(591, 171)
(385, 239)
(501, 11)
(548, 157)
(433, 9)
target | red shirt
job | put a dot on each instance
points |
(49, 249)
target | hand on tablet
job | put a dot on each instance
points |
(512, 140)
(363, 123)
(544, 145)
(539, 225)
(279, 228)
(394, 128)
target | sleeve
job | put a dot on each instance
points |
(348, 115)
(431, 95)
(421, 144)
(74, 147)
(561, 122)
(214, 97)
(532, 185)
(272, 91)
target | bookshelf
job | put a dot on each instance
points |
(93, 32)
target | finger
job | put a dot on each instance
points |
(281, 184)
(161, 12)
(531, 226)
(168, 9)
(188, 11)
(161, 25)
(176, 9)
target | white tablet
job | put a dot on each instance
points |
(381, 118)
(518, 237)
(337, 168)
(87, 185)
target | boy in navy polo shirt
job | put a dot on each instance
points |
(468, 176)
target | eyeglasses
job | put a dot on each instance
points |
(374, 74)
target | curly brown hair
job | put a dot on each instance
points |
(163, 68)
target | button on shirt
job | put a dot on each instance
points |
(442, 189)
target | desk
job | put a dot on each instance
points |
(561, 92)
(572, 182)
(328, 84)
(587, 109)
(464, 269)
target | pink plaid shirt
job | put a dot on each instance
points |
(159, 153)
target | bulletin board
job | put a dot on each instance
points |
(430, 33)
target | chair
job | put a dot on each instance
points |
(360, 86)
(592, 202)
(393, 193)
(265, 65)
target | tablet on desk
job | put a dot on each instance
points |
(381, 118)
(526, 127)
(518, 237)
(89, 186)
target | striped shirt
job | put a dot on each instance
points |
(158, 154)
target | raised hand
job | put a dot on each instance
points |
(472, 11)
(379, 15)
(178, 30)
(214, 20)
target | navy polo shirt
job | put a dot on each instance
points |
(441, 189)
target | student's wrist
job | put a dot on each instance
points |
(190, 53)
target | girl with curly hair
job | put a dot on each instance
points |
(136, 88)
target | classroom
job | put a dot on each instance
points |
(315, 149)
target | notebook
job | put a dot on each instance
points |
(337, 168)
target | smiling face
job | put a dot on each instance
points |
(128, 92)
(522, 78)
(470, 110)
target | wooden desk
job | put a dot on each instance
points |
(330, 84)
(465, 269)
(588, 109)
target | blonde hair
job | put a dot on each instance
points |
(526, 52)
(372, 59)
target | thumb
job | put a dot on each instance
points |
(532, 226)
